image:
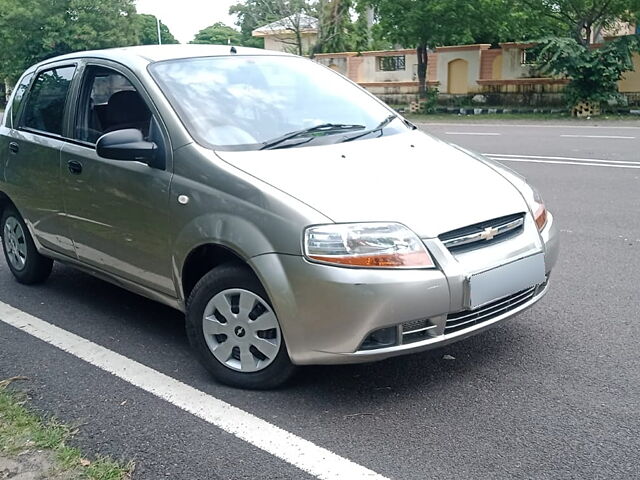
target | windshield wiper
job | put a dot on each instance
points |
(324, 128)
(377, 128)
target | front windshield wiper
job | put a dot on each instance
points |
(377, 128)
(324, 129)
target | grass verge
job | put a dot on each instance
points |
(23, 435)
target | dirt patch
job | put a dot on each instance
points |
(31, 466)
(36, 448)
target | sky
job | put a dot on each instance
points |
(185, 18)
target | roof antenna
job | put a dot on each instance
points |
(233, 50)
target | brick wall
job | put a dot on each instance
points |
(486, 63)
(432, 67)
(353, 68)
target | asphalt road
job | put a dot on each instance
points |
(552, 394)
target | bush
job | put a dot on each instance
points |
(594, 73)
(429, 102)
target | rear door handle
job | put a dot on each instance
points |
(14, 147)
(74, 167)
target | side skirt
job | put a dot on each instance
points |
(116, 280)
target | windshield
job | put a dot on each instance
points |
(247, 102)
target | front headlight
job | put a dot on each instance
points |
(368, 245)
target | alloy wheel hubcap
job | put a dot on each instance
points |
(241, 330)
(15, 243)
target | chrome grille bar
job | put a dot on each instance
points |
(425, 329)
(483, 234)
(488, 234)
(503, 302)
(457, 321)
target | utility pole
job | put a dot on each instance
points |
(159, 36)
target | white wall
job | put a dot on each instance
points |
(287, 43)
(370, 73)
(339, 64)
(511, 66)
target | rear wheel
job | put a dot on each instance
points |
(24, 261)
(234, 330)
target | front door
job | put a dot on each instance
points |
(118, 210)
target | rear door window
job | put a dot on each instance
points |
(44, 110)
(21, 89)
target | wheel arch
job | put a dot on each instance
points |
(204, 258)
(5, 201)
(211, 240)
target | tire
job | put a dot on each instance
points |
(24, 261)
(232, 327)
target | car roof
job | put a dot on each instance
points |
(158, 53)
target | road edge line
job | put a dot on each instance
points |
(301, 453)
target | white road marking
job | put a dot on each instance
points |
(558, 162)
(541, 157)
(517, 125)
(474, 133)
(616, 137)
(297, 451)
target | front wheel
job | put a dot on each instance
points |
(235, 332)
(24, 261)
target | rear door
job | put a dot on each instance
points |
(33, 146)
(118, 210)
(10, 122)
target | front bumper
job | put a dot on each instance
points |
(327, 312)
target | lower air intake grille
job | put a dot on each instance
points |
(468, 318)
(417, 331)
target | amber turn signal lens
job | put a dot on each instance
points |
(540, 216)
(389, 260)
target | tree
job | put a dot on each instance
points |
(147, 30)
(495, 21)
(582, 18)
(424, 24)
(594, 73)
(253, 14)
(218, 34)
(336, 31)
(35, 30)
(291, 16)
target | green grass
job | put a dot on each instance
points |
(22, 430)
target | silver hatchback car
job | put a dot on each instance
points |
(291, 215)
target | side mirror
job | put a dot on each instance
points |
(127, 145)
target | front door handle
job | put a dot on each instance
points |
(75, 167)
(14, 147)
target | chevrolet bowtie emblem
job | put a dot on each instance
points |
(489, 233)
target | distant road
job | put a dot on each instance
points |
(608, 141)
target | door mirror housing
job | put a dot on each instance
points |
(127, 145)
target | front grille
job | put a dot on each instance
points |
(468, 318)
(484, 233)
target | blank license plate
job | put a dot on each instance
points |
(505, 280)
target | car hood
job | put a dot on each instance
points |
(411, 178)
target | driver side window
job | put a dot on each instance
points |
(109, 102)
